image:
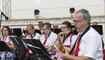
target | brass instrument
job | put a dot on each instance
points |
(61, 48)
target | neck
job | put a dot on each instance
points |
(48, 33)
(83, 29)
(32, 33)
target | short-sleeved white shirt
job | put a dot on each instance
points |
(91, 45)
(50, 39)
(71, 40)
(36, 36)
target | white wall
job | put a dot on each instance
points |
(0, 4)
(24, 9)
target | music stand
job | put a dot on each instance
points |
(20, 47)
(17, 41)
(37, 48)
(39, 51)
(57, 31)
(4, 47)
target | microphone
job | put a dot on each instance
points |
(4, 16)
(73, 30)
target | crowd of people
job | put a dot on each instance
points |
(86, 45)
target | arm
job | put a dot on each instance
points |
(66, 56)
(11, 46)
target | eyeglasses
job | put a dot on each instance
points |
(77, 21)
(44, 28)
(63, 27)
(5, 30)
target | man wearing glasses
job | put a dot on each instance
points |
(89, 43)
(48, 38)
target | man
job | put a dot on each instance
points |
(49, 37)
(31, 32)
(55, 26)
(94, 23)
(40, 23)
(90, 45)
(31, 35)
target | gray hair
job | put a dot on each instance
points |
(47, 24)
(86, 14)
(32, 26)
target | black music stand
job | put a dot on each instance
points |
(57, 31)
(4, 47)
(17, 41)
(20, 47)
(37, 48)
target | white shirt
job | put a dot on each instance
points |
(91, 45)
(36, 36)
(73, 39)
(50, 40)
(8, 40)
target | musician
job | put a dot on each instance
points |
(6, 33)
(68, 38)
(40, 23)
(31, 32)
(89, 45)
(31, 35)
(48, 38)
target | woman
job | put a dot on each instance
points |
(67, 39)
(6, 33)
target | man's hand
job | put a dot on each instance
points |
(64, 55)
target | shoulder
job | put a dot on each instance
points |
(92, 32)
(74, 36)
(27, 36)
(1, 37)
(52, 33)
(37, 34)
